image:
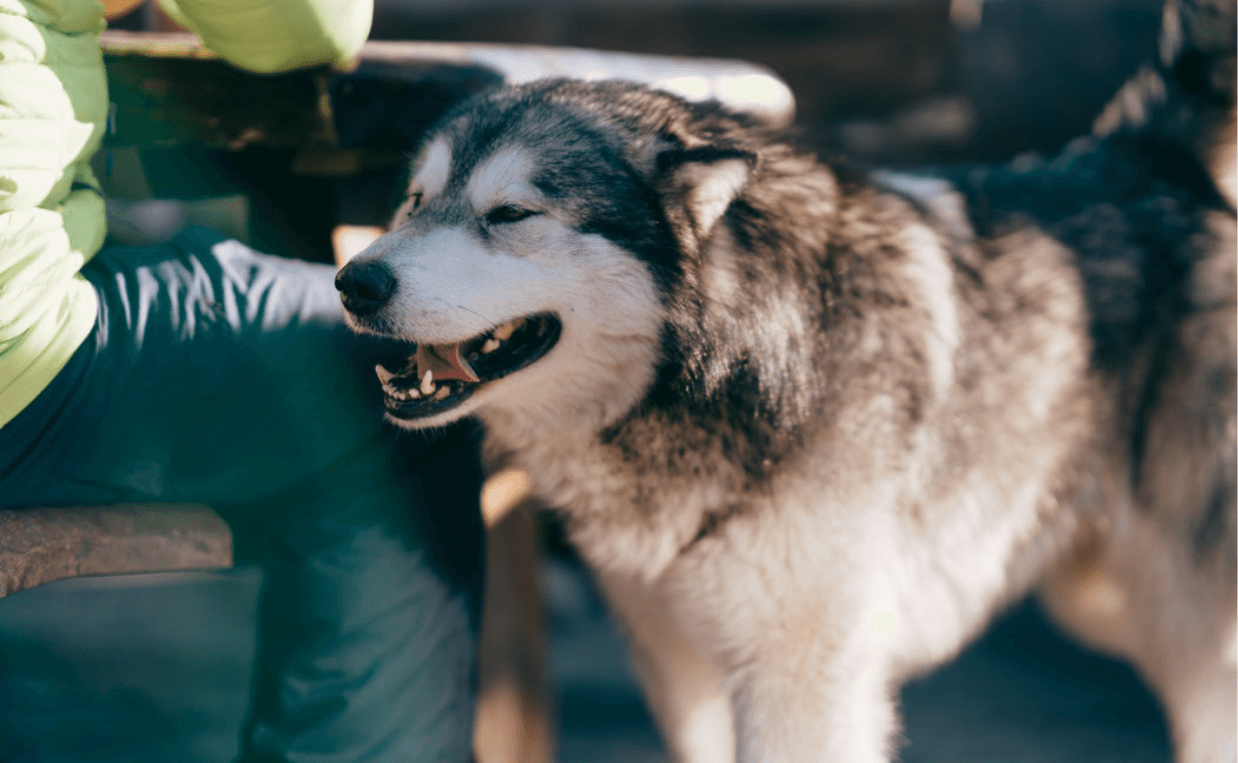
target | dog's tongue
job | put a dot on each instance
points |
(445, 361)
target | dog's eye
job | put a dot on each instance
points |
(508, 214)
(410, 205)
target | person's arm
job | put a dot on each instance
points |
(53, 106)
(277, 35)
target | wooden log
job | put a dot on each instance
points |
(44, 544)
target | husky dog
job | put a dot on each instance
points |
(812, 427)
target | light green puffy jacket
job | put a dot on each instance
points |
(53, 107)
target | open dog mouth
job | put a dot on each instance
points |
(437, 377)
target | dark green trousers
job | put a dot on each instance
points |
(221, 376)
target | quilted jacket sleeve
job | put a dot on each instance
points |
(53, 105)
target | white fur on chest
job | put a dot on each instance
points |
(847, 554)
(625, 521)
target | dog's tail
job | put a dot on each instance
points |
(1185, 102)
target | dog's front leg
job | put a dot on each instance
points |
(683, 688)
(801, 699)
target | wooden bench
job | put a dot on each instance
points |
(41, 545)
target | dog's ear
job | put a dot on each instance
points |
(702, 182)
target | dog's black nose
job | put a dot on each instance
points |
(365, 286)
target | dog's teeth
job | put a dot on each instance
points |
(504, 332)
(412, 394)
(427, 382)
(491, 345)
(384, 375)
(441, 393)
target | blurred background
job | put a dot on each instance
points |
(154, 668)
(892, 81)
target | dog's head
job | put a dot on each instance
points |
(545, 230)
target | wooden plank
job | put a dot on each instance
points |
(740, 84)
(44, 544)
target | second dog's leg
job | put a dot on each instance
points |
(684, 689)
(1145, 598)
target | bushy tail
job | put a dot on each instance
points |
(1187, 99)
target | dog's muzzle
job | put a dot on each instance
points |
(365, 286)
